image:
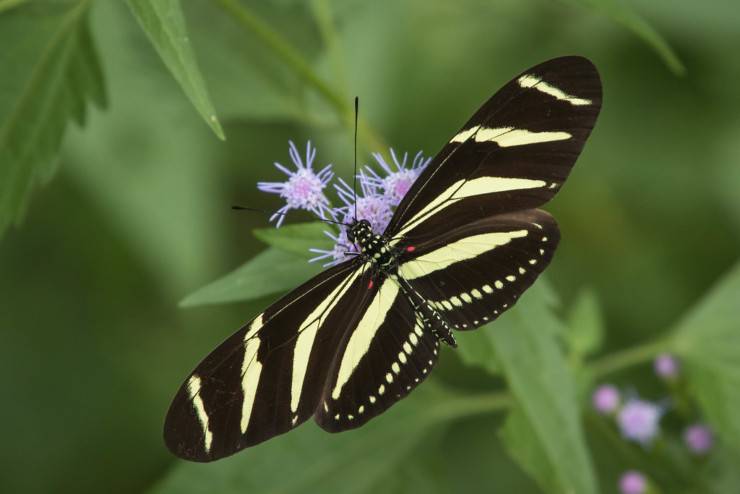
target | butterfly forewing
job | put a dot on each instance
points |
(515, 152)
(267, 378)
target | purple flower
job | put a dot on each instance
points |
(632, 482)
(606, 399)
(375, 202)
(666, 366)
(370, 204)
(304, 188)
(698, 438)
(638, 420)
(398, 180)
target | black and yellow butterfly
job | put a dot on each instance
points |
(462, 246)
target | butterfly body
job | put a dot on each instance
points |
(463, 244)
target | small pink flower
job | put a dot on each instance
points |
(606, 399)
(632, 482)
(666, 366)
(698, 438)
(639, 420)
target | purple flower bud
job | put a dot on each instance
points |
(666, 366)
(638, 420)
(698, 438)
(606, 399)
(304, 188)
(632, 482)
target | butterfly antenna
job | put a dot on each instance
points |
(354, 175)
(264, 211)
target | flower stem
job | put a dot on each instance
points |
(295, 62)
(464, 405)
(622, 359)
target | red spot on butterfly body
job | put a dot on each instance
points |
(410, 248)
(370, 285)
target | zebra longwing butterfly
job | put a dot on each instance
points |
(462, 246)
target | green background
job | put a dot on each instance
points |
(93, 344)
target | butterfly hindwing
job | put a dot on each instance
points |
(475, 272)
(514, 153)
(385, 356)
(268, 377)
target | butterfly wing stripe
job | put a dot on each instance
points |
(508, 136)
(200, 411)
(468, 188)
(535, 82)
(363, 334)
(307, 335)
(250, 380)
(457, 251)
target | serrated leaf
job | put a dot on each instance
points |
(585, 331)
(164, 24)
(708, 342)
(544, 433)
(269, 272)
(310, 460)
(49, 73)
(297, 238)
(619, 12)
(479, 352)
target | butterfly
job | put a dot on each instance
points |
(462, 246)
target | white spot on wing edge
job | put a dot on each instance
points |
(194, 384)
(532, 81)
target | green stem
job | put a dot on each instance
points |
(476, 404)
(626, 358)
(294, 61)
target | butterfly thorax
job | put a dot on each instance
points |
(373, 247)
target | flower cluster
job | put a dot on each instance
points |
(638, 420)
(380, 192)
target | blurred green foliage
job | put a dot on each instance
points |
(136, 220)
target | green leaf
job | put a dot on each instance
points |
(585, 333)
(164, 24)
(708, 342)
(310, 460)
(49, 72)
(544, 431)
(269, 272)
(479, 352)
(296, 238)
(621, 13)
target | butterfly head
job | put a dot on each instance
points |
(360, 231)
